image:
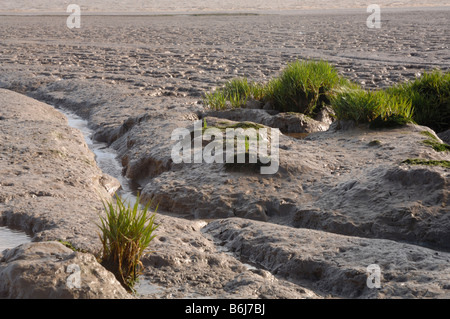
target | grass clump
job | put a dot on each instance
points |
(418, 161)
(378, 108)
(425, 101)
(430, 98)
(126, 232)
(304, 87)
(216, 100)
(235, 93)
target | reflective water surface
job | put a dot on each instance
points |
(10, 238)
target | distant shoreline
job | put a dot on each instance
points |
(234, 13)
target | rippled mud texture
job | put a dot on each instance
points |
(152, 54)
(136, 79)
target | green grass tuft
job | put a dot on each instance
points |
(430, 98)
(303, 86)
(216, 100)
(306, 86)
(234, 94)
(418, 161)
(425, 101)
(126, 232)
(378, 108)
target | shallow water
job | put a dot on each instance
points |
(107, 161)
(10, 238)
(105, 157)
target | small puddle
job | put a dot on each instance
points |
(10, 238)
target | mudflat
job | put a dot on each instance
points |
(342, 200)
(150, 54)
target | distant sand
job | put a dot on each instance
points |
(186, 56)
(201, 6)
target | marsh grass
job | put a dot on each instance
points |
(306, 86)
(425, 101)
(126, 232)
(378, 108)
(430, 98)
(234, 94)
(303, 86)
(216, 100)
(355, 105)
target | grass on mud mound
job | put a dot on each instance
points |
(307, 86)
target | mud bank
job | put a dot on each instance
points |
(189, 259)
(52, 188)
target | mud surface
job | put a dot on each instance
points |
(341, 200)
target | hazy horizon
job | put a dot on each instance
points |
(199, 6)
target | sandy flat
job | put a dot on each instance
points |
(203, 6)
